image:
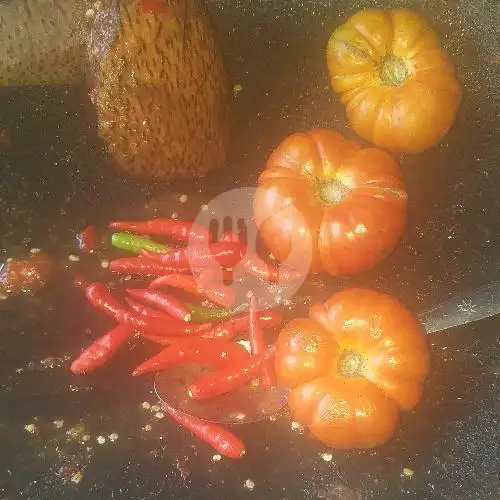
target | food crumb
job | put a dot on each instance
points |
(31, 428)
(147, 428)
(249, 484)
(74, 258)
(35, 250)
(297, 427)
(105, 264)
(183, 198)
(159, 415)
(77, 477)
(101, 439)
(408, 472)
(237, 89)
(113, 437)
(59, 423)
(273, 418)
(89, 13)
(85, 438)
(327, 457)
(155, 408)
(175, 215)
(146, 405)
(217, 458)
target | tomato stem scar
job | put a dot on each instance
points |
(332, 191)
(350, 364)
(393, 71)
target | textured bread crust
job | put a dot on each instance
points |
(163, 94)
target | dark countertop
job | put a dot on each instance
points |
(55, 177)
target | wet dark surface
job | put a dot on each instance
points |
(56, 178)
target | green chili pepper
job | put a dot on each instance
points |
(201, 314)
(133, 243)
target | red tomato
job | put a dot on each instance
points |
(395, 79)
(359, 359)
(346, 204)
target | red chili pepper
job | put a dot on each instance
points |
(272, 273)
(239, 324)
(87, 239)
(180, 230)
(218, 437)
(218, 293)
(200, 286)
(145, 310)
(159, 326)
(176, 280)
(101, 298)
(161, 340)
(229, 378)
(216, 273)
(200, 256)
(258, 343)
(198, 350)
(164, 302)
(101, 350)
(143, 266)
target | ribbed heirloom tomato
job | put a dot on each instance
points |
(322, 192)
(397, 83)
(359, 359)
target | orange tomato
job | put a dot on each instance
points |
(353, 365)
(344, 206)
(397, 83)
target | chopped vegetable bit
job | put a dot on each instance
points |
(101, 439)
(159, 415)
(217, 458)
(113, 437)
(59, 423)
(146, 405)
(327, 457)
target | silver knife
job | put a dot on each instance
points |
(466, 308)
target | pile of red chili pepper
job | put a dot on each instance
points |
(188, 333)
